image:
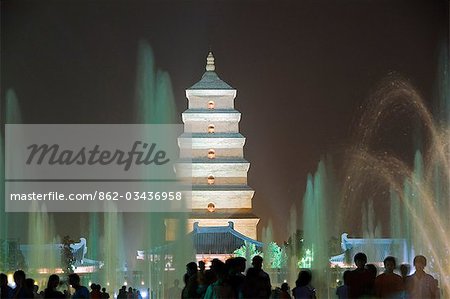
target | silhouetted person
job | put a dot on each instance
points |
(360, 280)
(95, 291)
(105, 295)
(6, 291)
(373, 271)
(201, 278)
(29, 285)
(303, 288)
(388, 284)
(201, 266)
(190, 280)
(130, 294)
(342, 290)
(221, 287)
(35, 288)
(404, 271)
(236, 277)
(421, 284)
(284, 294)
(80, 291)
(211, 274)
(52, 285)
(257, 282)
(122, 293)
(21, 290)
(216, 265)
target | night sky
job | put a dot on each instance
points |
(302, 70)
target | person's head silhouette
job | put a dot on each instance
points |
(3, 280)
(19, 277)
(74, 280)
(257, 262)
(191, 268)
(420, 263)
(201, 266)
(360, 260)
(404, 269)
(389, 264)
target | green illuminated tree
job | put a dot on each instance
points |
(276, 256)
(247, 251)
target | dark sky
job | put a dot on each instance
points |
(301, 68)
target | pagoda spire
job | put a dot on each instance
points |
(210, 67)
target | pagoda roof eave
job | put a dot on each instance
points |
(210, 80)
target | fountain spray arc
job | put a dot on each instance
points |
(419, 194)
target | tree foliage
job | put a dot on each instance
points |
(11, 257)
(247, 250)
(276, 256)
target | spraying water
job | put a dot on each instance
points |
(113, 249)
(155, 104)
(10, 227)
(418, 194)
(318, 224)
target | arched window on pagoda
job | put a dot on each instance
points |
(211, 207)
(211, 128)
(211, 154)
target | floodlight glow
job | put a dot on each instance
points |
(11, 282)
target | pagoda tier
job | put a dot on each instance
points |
(225, 197)
(225, 121)
(224, 145)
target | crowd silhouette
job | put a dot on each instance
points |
(227, 280)
(363, 281)
(26, 288)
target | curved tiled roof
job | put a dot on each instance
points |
(376, 249)
(219, 239)
(211, 240)
(210, 80)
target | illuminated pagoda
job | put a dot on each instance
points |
(211, 147)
